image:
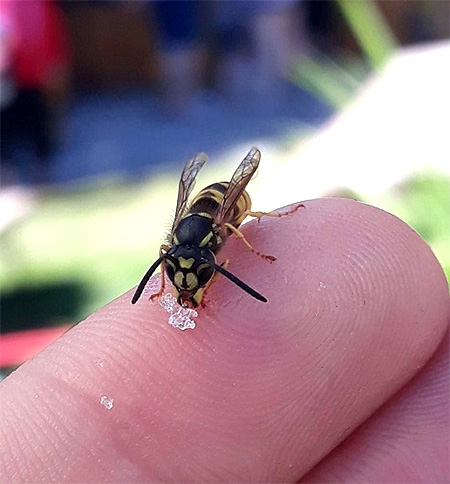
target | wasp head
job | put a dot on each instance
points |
(189, 268)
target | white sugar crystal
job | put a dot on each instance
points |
(180, 317)
(107, 402)
(167, 302)
(181, 322)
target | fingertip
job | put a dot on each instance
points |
(355, 296)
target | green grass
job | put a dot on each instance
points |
(370, 29)
(335, 81)
(423, 202)
(102, 238)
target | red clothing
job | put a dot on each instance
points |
(39, 40)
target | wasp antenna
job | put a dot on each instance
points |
(238, 282)
(145, 279)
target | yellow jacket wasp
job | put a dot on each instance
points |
(200, 231)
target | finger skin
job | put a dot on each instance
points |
(407, 440)
(258, 392)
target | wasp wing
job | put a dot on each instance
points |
(238, 184)
(186, 185)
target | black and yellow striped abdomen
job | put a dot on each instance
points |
(210, 199)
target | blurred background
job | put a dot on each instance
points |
(102, 103)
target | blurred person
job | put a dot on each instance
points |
(35, 62)
(258, 41)
(277, 40)
(178, 28)
(255, 41)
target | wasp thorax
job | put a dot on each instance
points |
(196, 230)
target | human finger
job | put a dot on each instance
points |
(258, 392)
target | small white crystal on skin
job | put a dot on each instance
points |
(168, 302)
(107, 402)
(181, 322)
(180, 317)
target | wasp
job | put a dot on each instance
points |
(200, 230)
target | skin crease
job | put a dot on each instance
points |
(257, 392)
(405, 441)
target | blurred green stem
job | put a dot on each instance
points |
(370, 29)
(326, 80)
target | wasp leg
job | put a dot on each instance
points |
(212, 281)
(164, 248)
(258, 215)
(241, 236)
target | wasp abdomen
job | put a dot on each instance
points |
(210, 199)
